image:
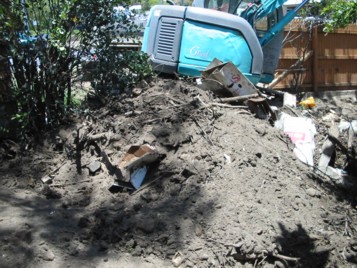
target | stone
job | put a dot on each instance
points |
(73, 250)
(227, 158)
(313, 193)
(103, 246)
(83, 222)
(137, 207)
(171, 241)
(66, 204)
(47, 254)
(137, 251)
(198, 230)
(94, 167)
(178, 259)
(137, 91)
(150, 196)
(147, 225)
(130, 244)
(204, 257)
(149, 250)
(143, 84)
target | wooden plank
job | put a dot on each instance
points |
(338, 57)
(324, 57)
(299, 25)
(351, 86)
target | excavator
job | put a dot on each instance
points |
(249, 33)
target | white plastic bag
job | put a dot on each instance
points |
(301, 131)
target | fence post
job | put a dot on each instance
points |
(315, 58)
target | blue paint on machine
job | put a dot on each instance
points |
(205, 42)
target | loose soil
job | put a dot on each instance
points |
(227, 190)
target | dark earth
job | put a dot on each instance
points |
(226, 191)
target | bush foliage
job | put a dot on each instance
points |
(332, 14)
(47, 41)
(339, 13)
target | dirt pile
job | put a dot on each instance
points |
(227, 190)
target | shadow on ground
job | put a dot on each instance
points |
(298, 243)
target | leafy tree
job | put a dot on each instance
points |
(332, 14)
(339, 13)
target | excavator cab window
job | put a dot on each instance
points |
(264, 24)
(229, 6)
(246, 9)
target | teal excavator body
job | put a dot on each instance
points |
(185, 40)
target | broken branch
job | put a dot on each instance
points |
(239, 98)
(294, 66)
(204, 132)
(69, 184)
(207, 105)
(147, 185)
(259, 255)
(281, 257)
(231, 106)
(106, 135)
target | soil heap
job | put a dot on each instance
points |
(227, 190)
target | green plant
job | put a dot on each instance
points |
(339, 13)
(46, 43)
(332, 14)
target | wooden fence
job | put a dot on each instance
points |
(319, 61)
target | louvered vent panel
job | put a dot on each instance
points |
(168, 39)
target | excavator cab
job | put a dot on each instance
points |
(248, 33)
(249, 10)
(186, 40)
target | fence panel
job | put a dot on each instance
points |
(333, 64)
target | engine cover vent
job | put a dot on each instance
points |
(167, 44)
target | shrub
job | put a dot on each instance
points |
(46, 42)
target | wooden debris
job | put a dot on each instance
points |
(239, 98)
(109, 136)
(47, 179)
(328, 149)
(70, 184)
(207, 105)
